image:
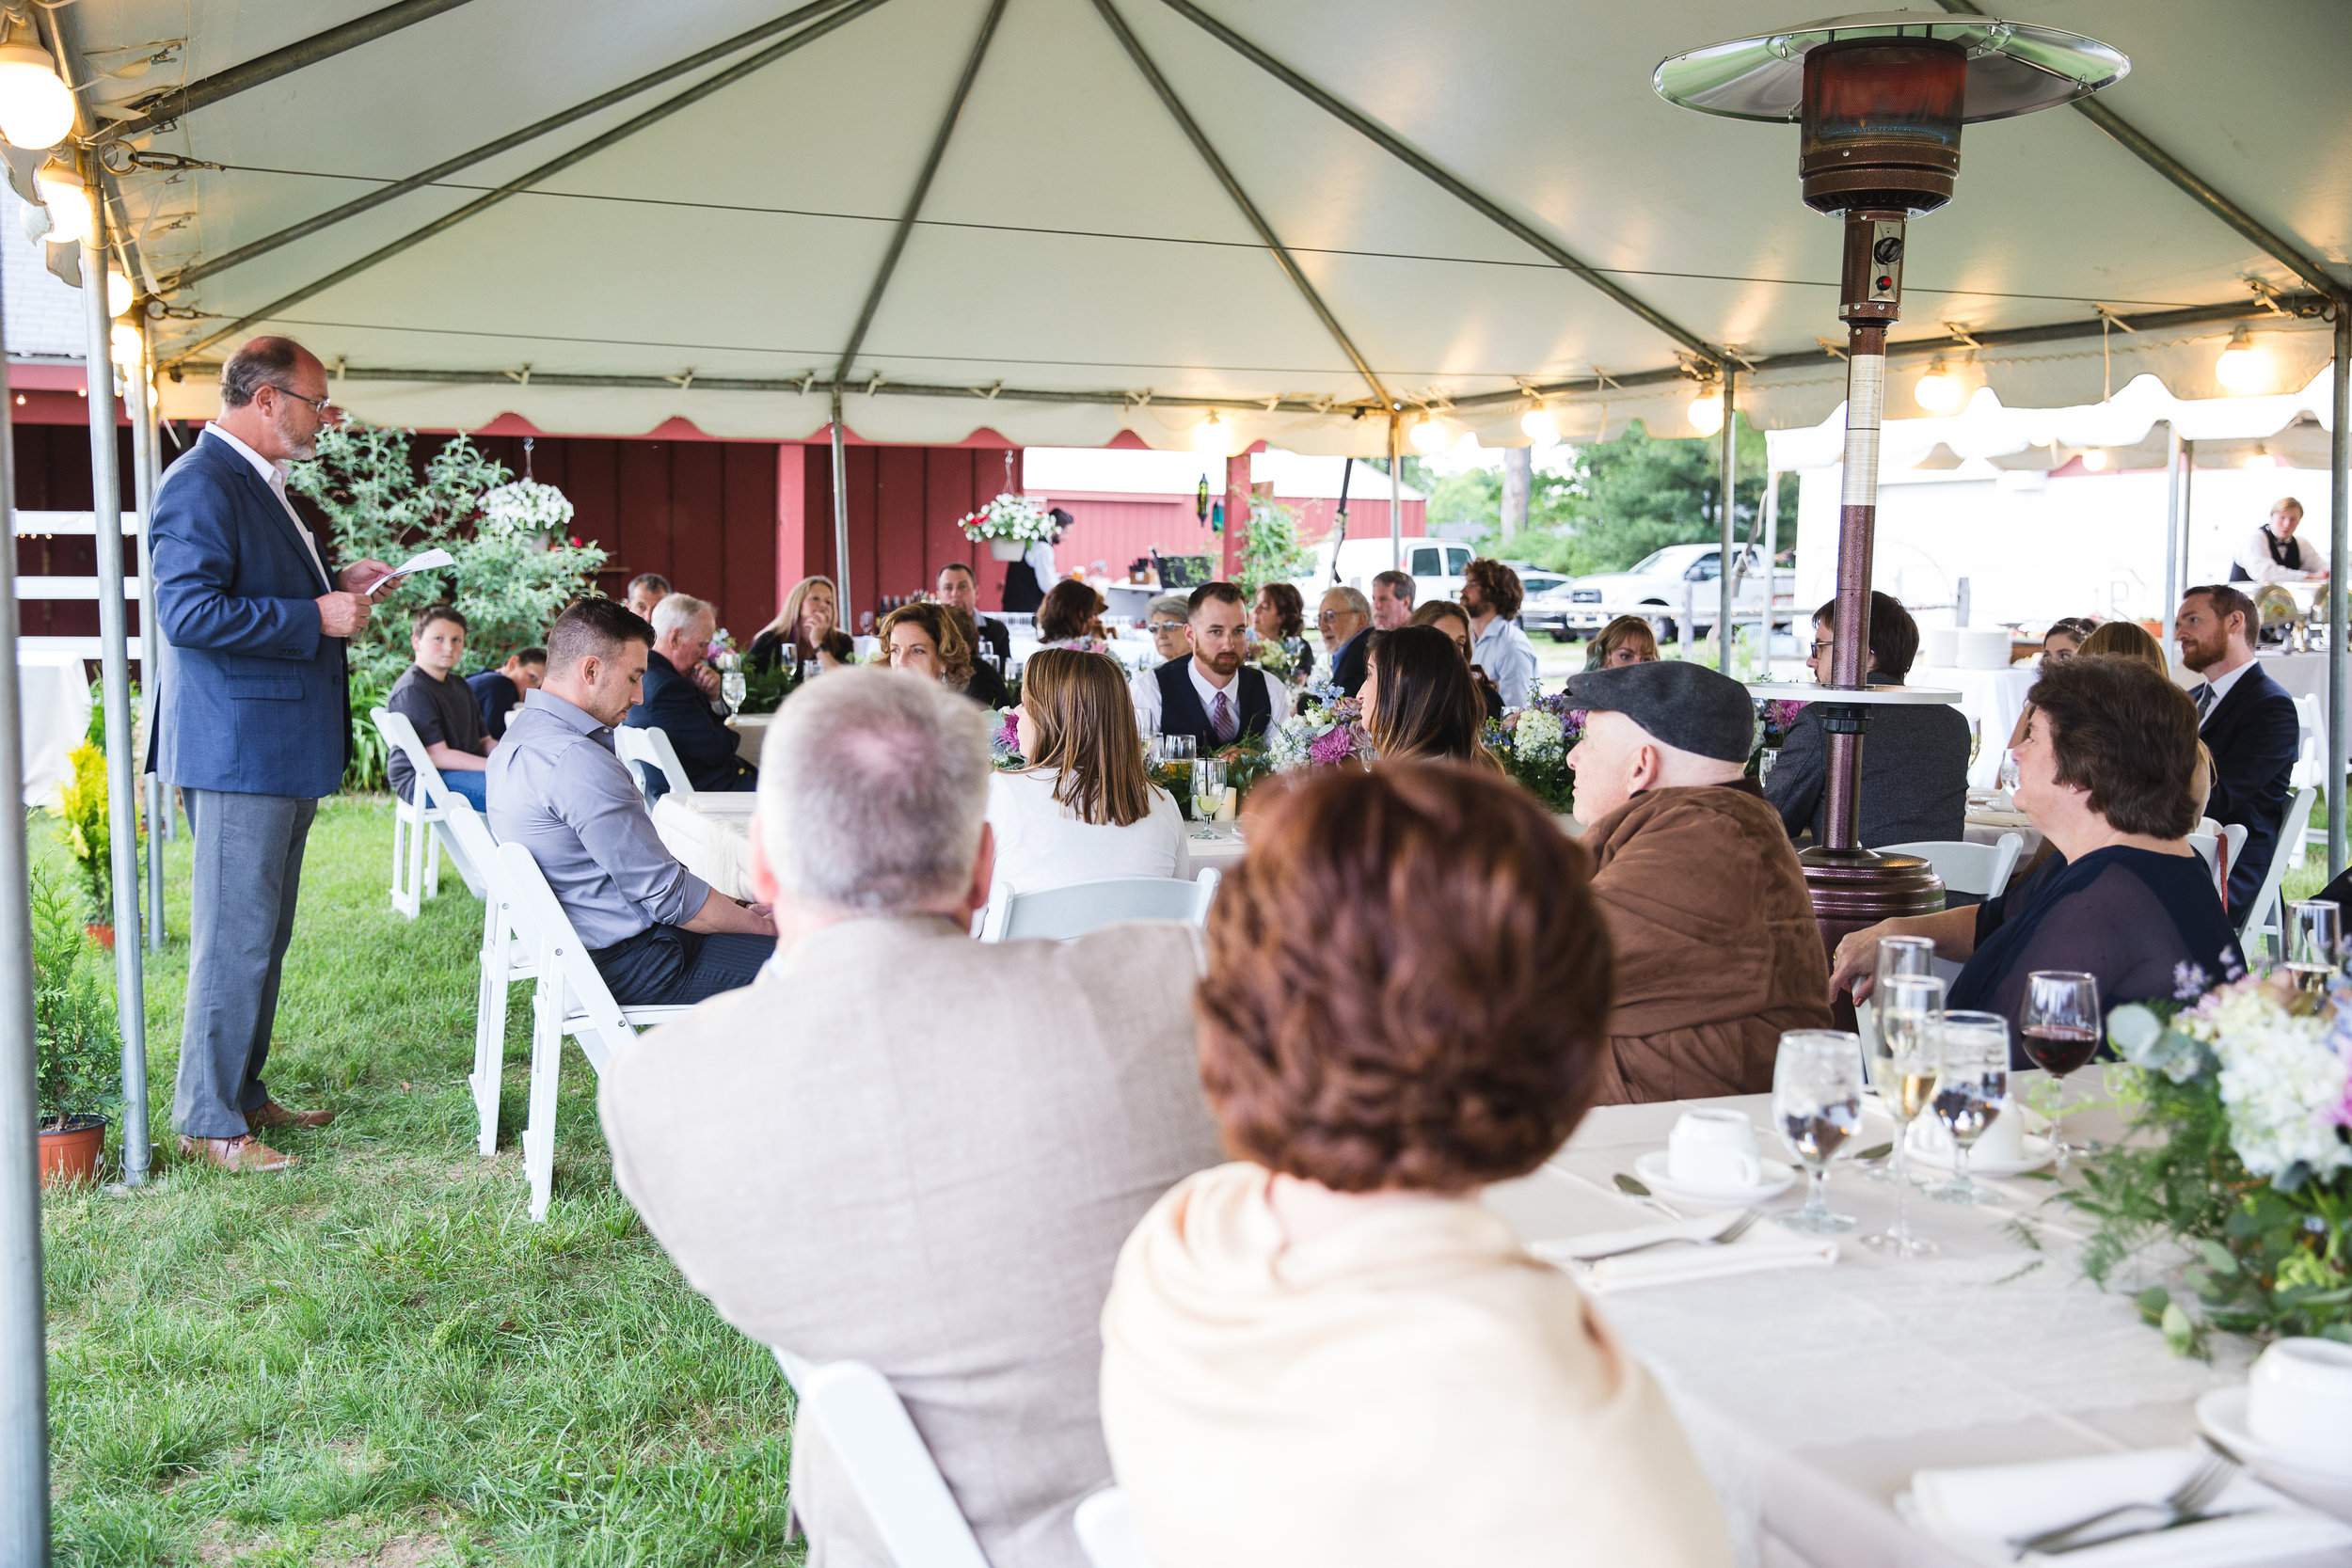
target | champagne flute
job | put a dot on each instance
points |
(2314, 933)
(1903, 1065)
(1817, 1105)
(2061, 1027)
(1208, 794)
(1971, 1086)
(1897, 956)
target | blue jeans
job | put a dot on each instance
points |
(467, 783)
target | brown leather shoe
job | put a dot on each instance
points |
(235, 1154)
(274, 1114)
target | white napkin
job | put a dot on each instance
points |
(1765, 1246)
(1978, 1512)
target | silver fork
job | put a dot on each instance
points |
(1724, 1237)
(2205, 1483)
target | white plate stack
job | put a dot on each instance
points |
(1939, 646)
(1981, 648)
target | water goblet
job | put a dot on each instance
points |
(1971, 1084)
(1817, 1105)
(1765, 760)
(2060, 1028)
(1208, 795)
(1902, 1064)
(733, 689)
(2009, 777)
(2314, 944)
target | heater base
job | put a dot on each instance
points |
(1854, 888)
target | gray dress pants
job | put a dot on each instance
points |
(248, 872)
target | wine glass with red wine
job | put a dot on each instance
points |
(2059, 1030)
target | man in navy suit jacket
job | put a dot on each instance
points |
(2247, 722)
(253, 723)
(676, 703)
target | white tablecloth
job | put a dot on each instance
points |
(1810, 1395)
(55, 711)
(1989, 699)
(750, 733)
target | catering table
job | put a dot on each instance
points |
(1811, 1394)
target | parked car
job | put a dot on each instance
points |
(1435, 565)
(1654, 588)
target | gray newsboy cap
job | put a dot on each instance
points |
(1688, 707)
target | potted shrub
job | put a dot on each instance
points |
(82, 801)
(78, 1047)
(1008, 525)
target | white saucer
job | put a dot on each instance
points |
(2222, 1412)
(1651, 1168)
(1931, 1149)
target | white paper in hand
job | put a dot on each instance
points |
(425, 563)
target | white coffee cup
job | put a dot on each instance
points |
(2005, 1140)
(2298, 1402)
(1714, 1151)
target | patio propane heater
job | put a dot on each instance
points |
(1880, 99)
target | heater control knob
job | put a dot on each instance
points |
(1888, 250)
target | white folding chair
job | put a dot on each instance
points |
(1061, 914)
(572, 999)
(416, 867)
(2260, 918)
(651, 745)
(2311, 760)
(1981, 869)
(504, 961)
(853, 1410)
(2208, 848)
(1107, 1531)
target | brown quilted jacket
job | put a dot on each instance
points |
(1717, 949)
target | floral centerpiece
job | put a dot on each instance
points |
(2240, 1101)
(1321, 734)
(1008, 525)
(1003, 743)
(1532, 745)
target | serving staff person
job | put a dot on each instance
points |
(2275, 552)
(255, 725)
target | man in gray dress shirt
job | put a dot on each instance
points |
(658, 933)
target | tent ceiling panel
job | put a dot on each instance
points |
(1074, 245)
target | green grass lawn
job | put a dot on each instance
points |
(373, 1358)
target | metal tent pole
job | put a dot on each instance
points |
(2172, 560)
(2188, 507)
(2340, 471)
(847, 621)
(143, 490)
(1726, 634)
(1396, 498)
(1772, 560)
(24, 1340)
(115, 676)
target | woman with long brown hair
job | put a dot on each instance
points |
(1452, 619)
(1419, 698)
(1083, 808)
(806, 631)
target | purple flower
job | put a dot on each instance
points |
(1009, 733)
(1333, 747)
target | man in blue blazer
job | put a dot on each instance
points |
(2247, 722)
(253, 723)
(677, 703)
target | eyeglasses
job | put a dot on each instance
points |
(323, 407)
(1824, 647)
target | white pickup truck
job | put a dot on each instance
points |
(1654, 588)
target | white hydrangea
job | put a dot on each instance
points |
(525, 506)
(2282, 1077)
(1539, 737)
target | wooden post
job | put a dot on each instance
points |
(1236, 514)
(792, 517)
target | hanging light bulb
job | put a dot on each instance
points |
(1939, 391)
(67, 200)
(1428, 436)
(2096, 460)
(127, 348)
(36, 105)
(1209, 436)
(120, 294)
(2242, 368)
(1706, 412)
(2258, 458)
(1540, 423)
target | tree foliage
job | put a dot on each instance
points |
(1270, 552)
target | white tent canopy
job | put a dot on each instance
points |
(1077, 255)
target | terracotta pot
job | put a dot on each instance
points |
(71, 1153)
(1006, 550)
(102, 933)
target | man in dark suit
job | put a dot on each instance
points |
(678, 700)
(1212, 696)
(253, 725)
(1345, 624)
(1915, 760)
(958, 589)
(2247, 722)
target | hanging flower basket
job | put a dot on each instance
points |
(1008, 525)
(526, 509)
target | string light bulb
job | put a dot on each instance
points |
(120, 296)
(1427, 436)
(1540, 423)
(1209, 435)
(1706, 412)
(1938, 390)
(2096, 460)
(36, 105)
(2242, 368)
(67, 200)
(126, 346)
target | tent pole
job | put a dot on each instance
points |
(1772, 560)
(24, 1340)
(841, 521)
(1396, 498)
(2189, 502)
(123, 820)
(2338, 465)
(1726, 634)
(2172, 562)
(143, 490)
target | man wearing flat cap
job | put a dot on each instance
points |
(1716, 948)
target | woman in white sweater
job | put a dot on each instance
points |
(1328, 1354)
(1084, 809)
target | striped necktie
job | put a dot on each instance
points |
(2205, 701)
(1221, 718)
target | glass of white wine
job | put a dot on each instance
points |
(1208, 795)
(1903, 1067)
(1897, 956)
(2314, 942)
(1817, 1105)
(1971, 1087)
